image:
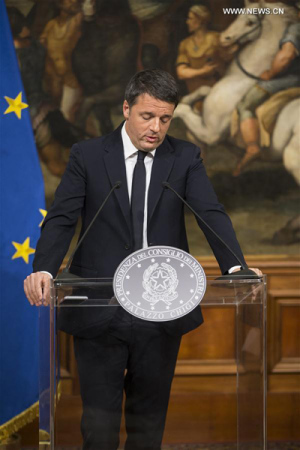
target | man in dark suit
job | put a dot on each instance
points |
(139, 214)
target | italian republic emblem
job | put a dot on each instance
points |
(159, 283)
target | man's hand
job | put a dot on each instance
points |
(255, 288)
(208, 68)
(266, 75)
(281, 61)
(232, 49)
(37, 288)
(184, 72)
(257, 271)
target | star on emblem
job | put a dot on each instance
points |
(127, 292)
(191, 291)
(181, 301)
(160, 280)
(168, 260)
(152, 260)
(127, 277)
(15, 105)
(192, 275)
(44, 213)
(139, 266)
(181, 265)
(23, 250)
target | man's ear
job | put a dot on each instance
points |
(126, 109)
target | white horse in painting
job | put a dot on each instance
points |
(263, 35)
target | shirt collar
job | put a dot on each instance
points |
(129, 148)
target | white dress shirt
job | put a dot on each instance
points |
(130, 155)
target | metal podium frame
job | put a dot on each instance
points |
(93, 297)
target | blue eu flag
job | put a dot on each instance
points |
(22, 211)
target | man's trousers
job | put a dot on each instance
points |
(136, 357)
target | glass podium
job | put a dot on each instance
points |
(82, 307)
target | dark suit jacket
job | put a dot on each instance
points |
(94, 166)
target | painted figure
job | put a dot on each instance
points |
(260, 38)
(59, 37)
(104, 59)
(53, 134)
(283, 74)
(199, 62)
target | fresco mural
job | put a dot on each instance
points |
(239, 77)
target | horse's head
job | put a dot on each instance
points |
(246, 27)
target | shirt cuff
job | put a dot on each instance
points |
(44, 271)
(233, 268)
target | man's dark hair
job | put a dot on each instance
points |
(155, 82)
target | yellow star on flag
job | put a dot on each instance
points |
(15, 105)
(44, 213)
(23, 250)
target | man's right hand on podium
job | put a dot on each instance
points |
(37, 288)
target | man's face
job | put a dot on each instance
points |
(148, 121)
(193, 22)
(70, 6)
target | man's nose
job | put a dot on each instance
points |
(155, 124)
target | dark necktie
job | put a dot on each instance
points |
(138, 200)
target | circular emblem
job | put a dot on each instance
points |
(159, 283)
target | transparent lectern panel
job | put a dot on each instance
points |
(44, 376)
(82, 308)
(87, 308)
(251, 370)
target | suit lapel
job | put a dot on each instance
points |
(115, 167)
(162, 165)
